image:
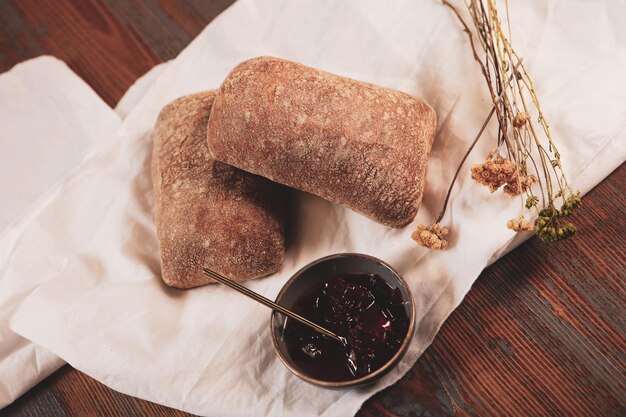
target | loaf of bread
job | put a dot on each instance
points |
(350, 142)
(209, 214)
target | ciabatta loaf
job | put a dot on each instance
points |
(350, 142)
(209, 214)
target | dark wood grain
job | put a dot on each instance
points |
(542, 332)
(107, 43)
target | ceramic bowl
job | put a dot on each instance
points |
(310, 277)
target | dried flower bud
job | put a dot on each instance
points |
(494, 172)
(521, 119)
(531, 201)
(519, 184)
(520, 224)
(570, 204)
(549, 229)
(431, 236)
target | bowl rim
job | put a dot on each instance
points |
(369, 377)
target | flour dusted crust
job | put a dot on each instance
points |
(209, 214)
(353, 143)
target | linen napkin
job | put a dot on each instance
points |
(31, 96)
(86, 258)
(49, 121)
(138, 89)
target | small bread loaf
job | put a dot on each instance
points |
(350, 142)
(209, 214)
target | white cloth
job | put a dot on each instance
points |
(35, 97)
(49, 121)
(138, 89)
(79, 273)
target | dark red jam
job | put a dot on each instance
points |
(365, 310)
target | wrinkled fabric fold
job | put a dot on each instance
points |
(50, 120)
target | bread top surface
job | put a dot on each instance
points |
(208, 213)
(353, 143)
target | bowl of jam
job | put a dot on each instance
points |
(356, 296)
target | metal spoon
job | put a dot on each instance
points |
(276, 307)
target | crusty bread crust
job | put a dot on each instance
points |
(350, 142)
(209, 214)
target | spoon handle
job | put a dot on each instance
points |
(268, 303)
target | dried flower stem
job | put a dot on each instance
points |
(469, 150)
(514, 104)
(456, 174)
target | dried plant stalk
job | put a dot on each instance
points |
(525, 162)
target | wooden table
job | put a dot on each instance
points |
(541, 332)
